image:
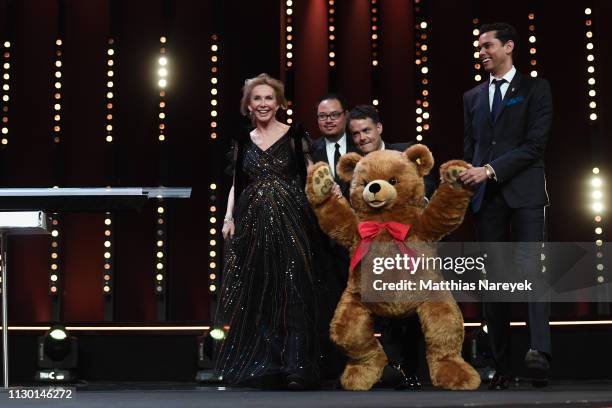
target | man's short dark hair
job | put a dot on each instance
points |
(332, 95)
(364, 112)
(504, 32)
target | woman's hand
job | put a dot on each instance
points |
(336, 191)
(228, 229)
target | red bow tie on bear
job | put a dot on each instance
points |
(368, 230)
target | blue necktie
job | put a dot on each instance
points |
(497, 99)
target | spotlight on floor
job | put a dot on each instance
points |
(481, 356)
(57, 356)
(208, 346)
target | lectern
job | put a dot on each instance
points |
(22, 211)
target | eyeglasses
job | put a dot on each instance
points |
(322, 117)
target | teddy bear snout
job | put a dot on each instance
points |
(379, 193)
(374, 188)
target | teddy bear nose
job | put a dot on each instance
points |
(374, 188)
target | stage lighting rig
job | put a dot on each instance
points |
(208, 346)
(57, 355)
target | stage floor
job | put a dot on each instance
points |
(153, 395)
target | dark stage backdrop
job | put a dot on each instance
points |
(252, 40)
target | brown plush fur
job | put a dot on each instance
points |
(401, 199)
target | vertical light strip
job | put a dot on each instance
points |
(109, 90)
(161, 228)
(289, 34)
(4, 103)
(476, 35)
(533, 51)
(331, 34)
(214, 86)
(598, 199)
(375, 47)
(213, 274)
(161, 247)
(289, 57)
(213, 253)
(109, 233)
(57, 95)
(590, 66)
(598, 208)
(55, 252)
(162, 82)
(109, 217)
(422, 70)
(533, 63)
(597, 182)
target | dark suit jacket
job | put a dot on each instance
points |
(319, 153)
(513, 144)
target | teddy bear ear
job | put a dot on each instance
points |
(346, 166)
(421, 156)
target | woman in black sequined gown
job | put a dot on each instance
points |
(270, 291)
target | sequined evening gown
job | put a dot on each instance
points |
(270, 285)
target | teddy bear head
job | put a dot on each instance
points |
(386, 182)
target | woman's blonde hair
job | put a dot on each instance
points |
(262, 79)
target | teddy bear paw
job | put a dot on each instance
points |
(455, 374)
(322, 181)
(449, 172)
(452, 173)
(360, 377)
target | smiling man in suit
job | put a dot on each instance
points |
(366, 129)
(507, 121)
(332, 113)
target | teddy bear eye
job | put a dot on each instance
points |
(365, 183)
(392, 181)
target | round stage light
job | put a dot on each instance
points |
(217, 334)
(596, 182)
(58, 333)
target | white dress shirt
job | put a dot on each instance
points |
(330, 149)
(504, 87)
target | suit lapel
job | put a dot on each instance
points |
(485, 108)
(319, 150)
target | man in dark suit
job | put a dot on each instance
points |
(400, 337)
(506, 126)
(332, 112)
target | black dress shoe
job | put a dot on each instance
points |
(296, 382)
(406, 381)
(500, 382)
(538, 365)
(410, 382)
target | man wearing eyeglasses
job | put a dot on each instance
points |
(332, 112)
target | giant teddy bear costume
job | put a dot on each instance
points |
(387, 189)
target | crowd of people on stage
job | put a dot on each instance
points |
(282, 276)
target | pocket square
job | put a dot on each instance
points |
(515, 100)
